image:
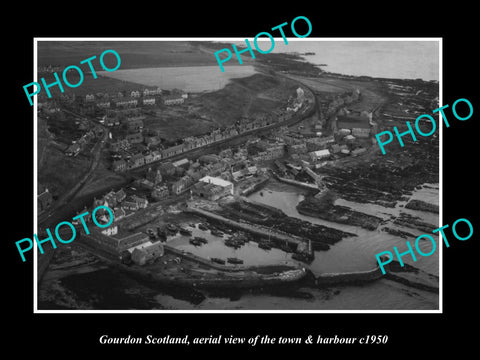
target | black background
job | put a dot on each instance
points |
(60, 335)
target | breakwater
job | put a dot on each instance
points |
(349, 277)
(251, 189)
(297, 183)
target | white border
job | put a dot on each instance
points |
(35, 256)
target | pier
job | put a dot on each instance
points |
(297, 183)
(275, 236)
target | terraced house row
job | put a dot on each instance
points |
(188, 144)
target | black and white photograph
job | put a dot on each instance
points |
(220, 180)
(233, 187)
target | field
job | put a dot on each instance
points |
(134, 54)
(60, 172)
(188, 78)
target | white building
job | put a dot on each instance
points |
(320, 154)
(219, 182)
(149, 101)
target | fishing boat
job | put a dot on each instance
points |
(218, 261)
(184, 231)
(216, 232)
(232, 243)
(264, 245)
(195, 242)
(201, 239)
(172, 228)
(202, 226)
(233, 260)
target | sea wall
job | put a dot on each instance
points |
(349, 277)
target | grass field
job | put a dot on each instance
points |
(60, 172)
(133, 54)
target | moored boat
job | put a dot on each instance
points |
(172, 228)
(233, 260)
(218, 261)
(264, 245)
(201, 239)
(184, 231)
(232, 243)
(195, 242)
(216, 232)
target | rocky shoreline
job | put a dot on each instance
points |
(422, 206)
(324, 209)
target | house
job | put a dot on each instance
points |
(73, 150)
(297, 148)
(118, 213)
(336, 149)
(183, 184)
(135, 94)
(344, 132)
(157, 155)
(149, 92)
(119, 165)
(120, 145)
(148, 101)
(358, 151)
(89, 97)
(135, 138)
(103, 104)
(167, 169)
(110, 199)
(142, 202)
(148, 158)
(181, 163)
(111, 121)
(210, 191)
(171, 151)
(363, 133)
(144, 183)
(160, 192)
(152, 140)
(320, 154)
(112, 244)
(130, 204)
(111, 230)
(120, 195)
(148, 253)
(219, 182)
(125, 102)
(173, 101)
(155, 176)
(136, 161)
